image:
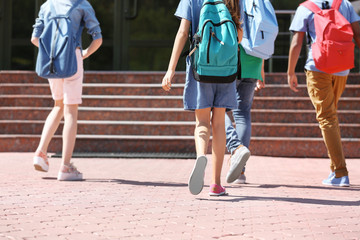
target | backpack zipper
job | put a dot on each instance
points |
(208, 48)
(215, 25)
(216, 38)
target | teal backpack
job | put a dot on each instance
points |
(214, 48)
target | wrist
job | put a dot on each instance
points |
(290, 72)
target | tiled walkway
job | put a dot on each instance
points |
(149, 199)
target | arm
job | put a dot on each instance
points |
(294, 53)
(35, 41)
(356, 29)
(261, 84)
(180, 40)
(95, 44)
(240, 34)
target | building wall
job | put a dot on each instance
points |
(138, 35)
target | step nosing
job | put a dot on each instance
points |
(172, 137)
(174, 123)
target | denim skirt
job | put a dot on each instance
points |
(198, 95)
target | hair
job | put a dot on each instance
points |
(234, 9)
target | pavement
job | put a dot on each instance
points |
(149, 199)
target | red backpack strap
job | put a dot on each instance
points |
(311, 6)
(336, 4)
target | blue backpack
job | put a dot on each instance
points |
(57, 44)
(214, 48)
(260, 28)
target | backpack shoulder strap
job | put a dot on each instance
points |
(73, 7)
(311, 6)
(336, 4)
(52, 7)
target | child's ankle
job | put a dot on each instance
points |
(40, 153)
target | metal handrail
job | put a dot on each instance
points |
(271, 60)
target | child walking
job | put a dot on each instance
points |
(324, 87)
(66, 92)
(210, 101)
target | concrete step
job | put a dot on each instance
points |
(345, 103)
(140, 77)
(262, 146)
(275, 90)
(94, 77)
(94, 89)
(299, 116)
(283, 90)
(129, 112)
(148, 128)
(300, 130)
(97, 101)
(102, 143)
(300, 147)
(173, 128)
(98, 113)
(171, 114)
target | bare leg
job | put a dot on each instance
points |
(202, 130)
(51, 124)
(69, 132)
(218, 143)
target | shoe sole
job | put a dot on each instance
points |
(196, 180)
(217, 194)
(66, 178)
(235, 173)
(39, 164)
(336, 185)
(237, 181)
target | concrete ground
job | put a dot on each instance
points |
(149, 199)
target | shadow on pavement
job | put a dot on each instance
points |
(128, 182)
(132, 182)
(254, 185)
(231, 198)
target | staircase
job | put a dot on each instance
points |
(127, 112)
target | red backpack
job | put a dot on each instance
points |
(333, 50)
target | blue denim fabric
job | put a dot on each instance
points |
(199, 95)
(202, 95)
(83, 12)
(241, 134)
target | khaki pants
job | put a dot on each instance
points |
(325, 91)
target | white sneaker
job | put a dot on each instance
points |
(241, 179)
(237, 163)
(196, 180)
(40, 161)
(69, 173)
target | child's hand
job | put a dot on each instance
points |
(259, 85)
(85, 54)
(166, 82)
(293, 82)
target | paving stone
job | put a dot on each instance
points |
(149, 199)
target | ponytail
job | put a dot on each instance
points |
(234, 9)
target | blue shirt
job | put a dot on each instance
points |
(304, 22)
(190, 10)
(83, 12)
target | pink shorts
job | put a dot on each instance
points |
(69, 89)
